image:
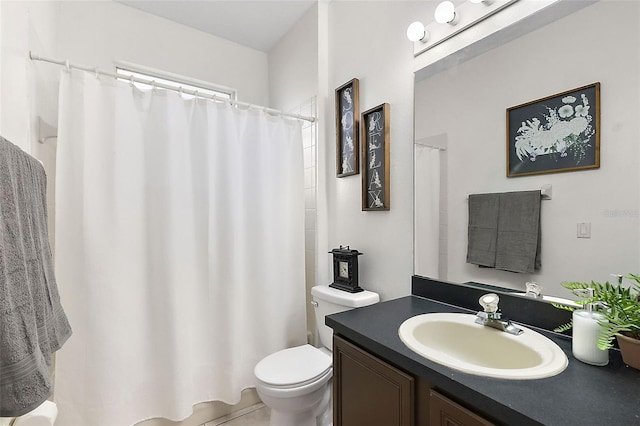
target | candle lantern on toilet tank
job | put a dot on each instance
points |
(345, 269)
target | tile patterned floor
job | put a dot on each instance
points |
(256, 415)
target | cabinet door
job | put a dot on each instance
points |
(445, 412)
(367, 390)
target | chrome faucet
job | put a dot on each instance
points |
(491, 317)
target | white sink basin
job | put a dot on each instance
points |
(456, 341)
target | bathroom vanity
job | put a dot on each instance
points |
(379, 381)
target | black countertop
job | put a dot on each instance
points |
(580, 395)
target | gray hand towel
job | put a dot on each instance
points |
(33, 324)
(518, 240)
(483, 229)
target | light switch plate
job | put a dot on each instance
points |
(584, 230)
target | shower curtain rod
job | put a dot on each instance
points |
(35, 57)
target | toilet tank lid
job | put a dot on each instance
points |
(340, 297)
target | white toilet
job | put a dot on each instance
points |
(296, 382)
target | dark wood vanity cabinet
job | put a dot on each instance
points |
(369, 391)
(445, 412)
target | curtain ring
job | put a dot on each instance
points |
(131, 80)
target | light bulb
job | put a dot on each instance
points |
(445, 13)
(416, 31)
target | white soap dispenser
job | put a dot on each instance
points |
(585, 334)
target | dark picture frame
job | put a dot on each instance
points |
(347, 128)
(376, 190)
(558, 133)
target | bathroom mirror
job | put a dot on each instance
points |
(460, 149)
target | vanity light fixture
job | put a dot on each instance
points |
(445, 13)
(461, 17)
(417, 32)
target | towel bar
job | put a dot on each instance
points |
(545, 192)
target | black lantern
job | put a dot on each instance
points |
(345, 269)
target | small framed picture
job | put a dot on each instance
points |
(558, 133)
(375, 159)
(347, 127)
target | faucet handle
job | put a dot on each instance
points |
(489, 302)
(533, 289)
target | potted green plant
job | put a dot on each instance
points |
(621, 311)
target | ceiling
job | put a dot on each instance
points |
(258, 24)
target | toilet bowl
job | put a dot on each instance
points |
(296, 382)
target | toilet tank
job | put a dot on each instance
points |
(327, 301)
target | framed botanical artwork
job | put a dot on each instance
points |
(558, 133)
(375, 159)
(347, 127)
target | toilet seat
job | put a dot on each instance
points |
(294, 367)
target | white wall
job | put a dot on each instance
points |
(364, 40)
(293, 64)
(467, 105)
(24, 26)
(96, 33)
(28, 93)
(367, 41)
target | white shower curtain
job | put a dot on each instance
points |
(427, 211)
(179, 249)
